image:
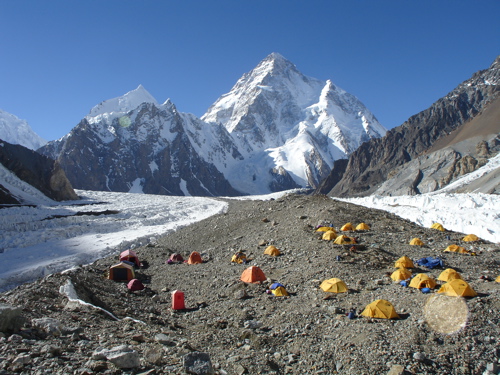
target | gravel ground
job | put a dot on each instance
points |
(246, 330)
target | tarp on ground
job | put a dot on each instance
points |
(430, 262)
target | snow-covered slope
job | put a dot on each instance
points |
(276, 130)
(282, 119)
(17, 131)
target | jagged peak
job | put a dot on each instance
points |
(125, 103)
(274, 63)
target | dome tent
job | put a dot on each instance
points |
(438, 227)
(448, 275)
(362, 226)
(422, 280)
(404, 262)
(329, 236)
(194, 258)
(380, 309)
(401, 274)
(457, 288)
(470, 238)
(253, 275)
(347, 227)
(334, 285)
(272, 250)
(416, 242)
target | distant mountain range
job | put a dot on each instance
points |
(276, 129)
(457, 135)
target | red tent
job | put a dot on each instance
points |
(130, 256)
(134, 285)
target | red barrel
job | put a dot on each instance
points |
(178, 300)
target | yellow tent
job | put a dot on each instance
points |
(272, 250)
(458, 288)
(470, 238)
(438, 227)
(347, 227)
(363, 226)
(404, 262)
(324, 229)
(401, 274)
(380, 309)
(344, 240)
(330, 235)
(279, 291)
(422, 280)
(497, 279)
(449, 274)
(334, 286)
(239, 258)
(416, 242)
(456, 249)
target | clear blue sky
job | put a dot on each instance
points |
(58, 58)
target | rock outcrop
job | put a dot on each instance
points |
(37, 170)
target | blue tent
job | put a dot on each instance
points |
(276, 285)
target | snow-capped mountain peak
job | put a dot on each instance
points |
(17, 131)
(123, 104)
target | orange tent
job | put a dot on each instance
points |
(195, 258)
(121, 272)
(438, 227)
(401, 274)
(324, 229)
(344, 240)
(253, 275)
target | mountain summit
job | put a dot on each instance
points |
(276, 129)
(17, 131)
(290, 123)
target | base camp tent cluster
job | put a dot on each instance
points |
(125, 270)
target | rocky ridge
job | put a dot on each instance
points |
(424, 154)
(245, 330)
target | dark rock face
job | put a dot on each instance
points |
(37, 170)
(372, 164)
(155, 154)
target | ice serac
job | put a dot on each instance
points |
(282, 120)
(455, 136)
(17, 131)
(134, 144)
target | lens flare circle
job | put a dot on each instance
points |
(446, 314)
(124, 121)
